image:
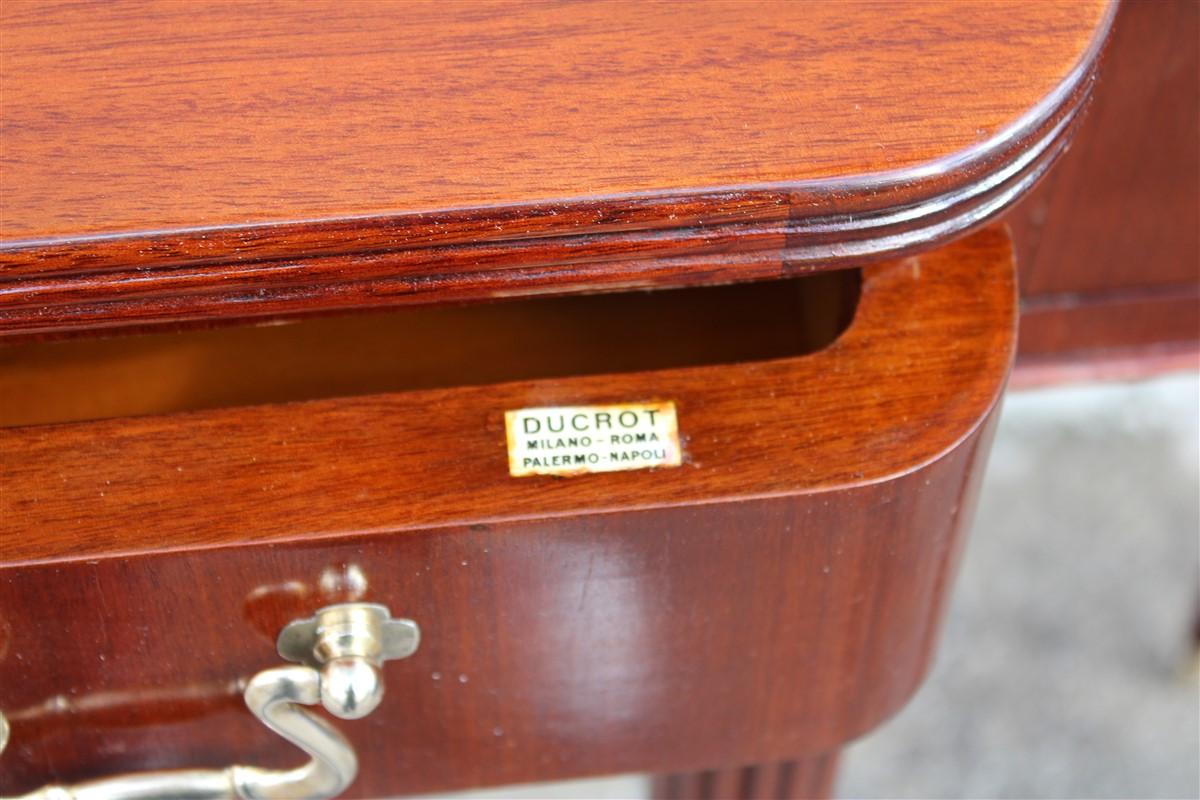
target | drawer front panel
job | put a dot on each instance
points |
(777, 594)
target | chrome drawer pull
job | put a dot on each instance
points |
(342, 649)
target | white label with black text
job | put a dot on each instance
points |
(575, 440)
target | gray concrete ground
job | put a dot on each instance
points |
(1062, 671)
(1062, 674)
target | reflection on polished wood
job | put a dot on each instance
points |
(308, 157)
(777, 595)
(169, 499)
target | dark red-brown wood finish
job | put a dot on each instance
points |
(799, 779)
(169, 165)
(1108, 247)
(295, 158)
(777, 595)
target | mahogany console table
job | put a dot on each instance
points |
(306, 310)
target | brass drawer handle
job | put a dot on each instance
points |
(341, 649)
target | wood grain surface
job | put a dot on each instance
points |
(165, 162)
(809, 778)
(659, 640)
(1115, 364)
(1121, 209)
(792, 574)
(1108, 247)
(952, 306)
(151, 116)
(1073, 326)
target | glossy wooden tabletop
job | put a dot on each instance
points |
(147, 116)
(168, 163)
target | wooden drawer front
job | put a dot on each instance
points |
(777, 594)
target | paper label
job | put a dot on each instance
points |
(575, 440)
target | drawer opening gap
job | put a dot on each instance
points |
(422, 348)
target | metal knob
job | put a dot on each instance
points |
(342, 649)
